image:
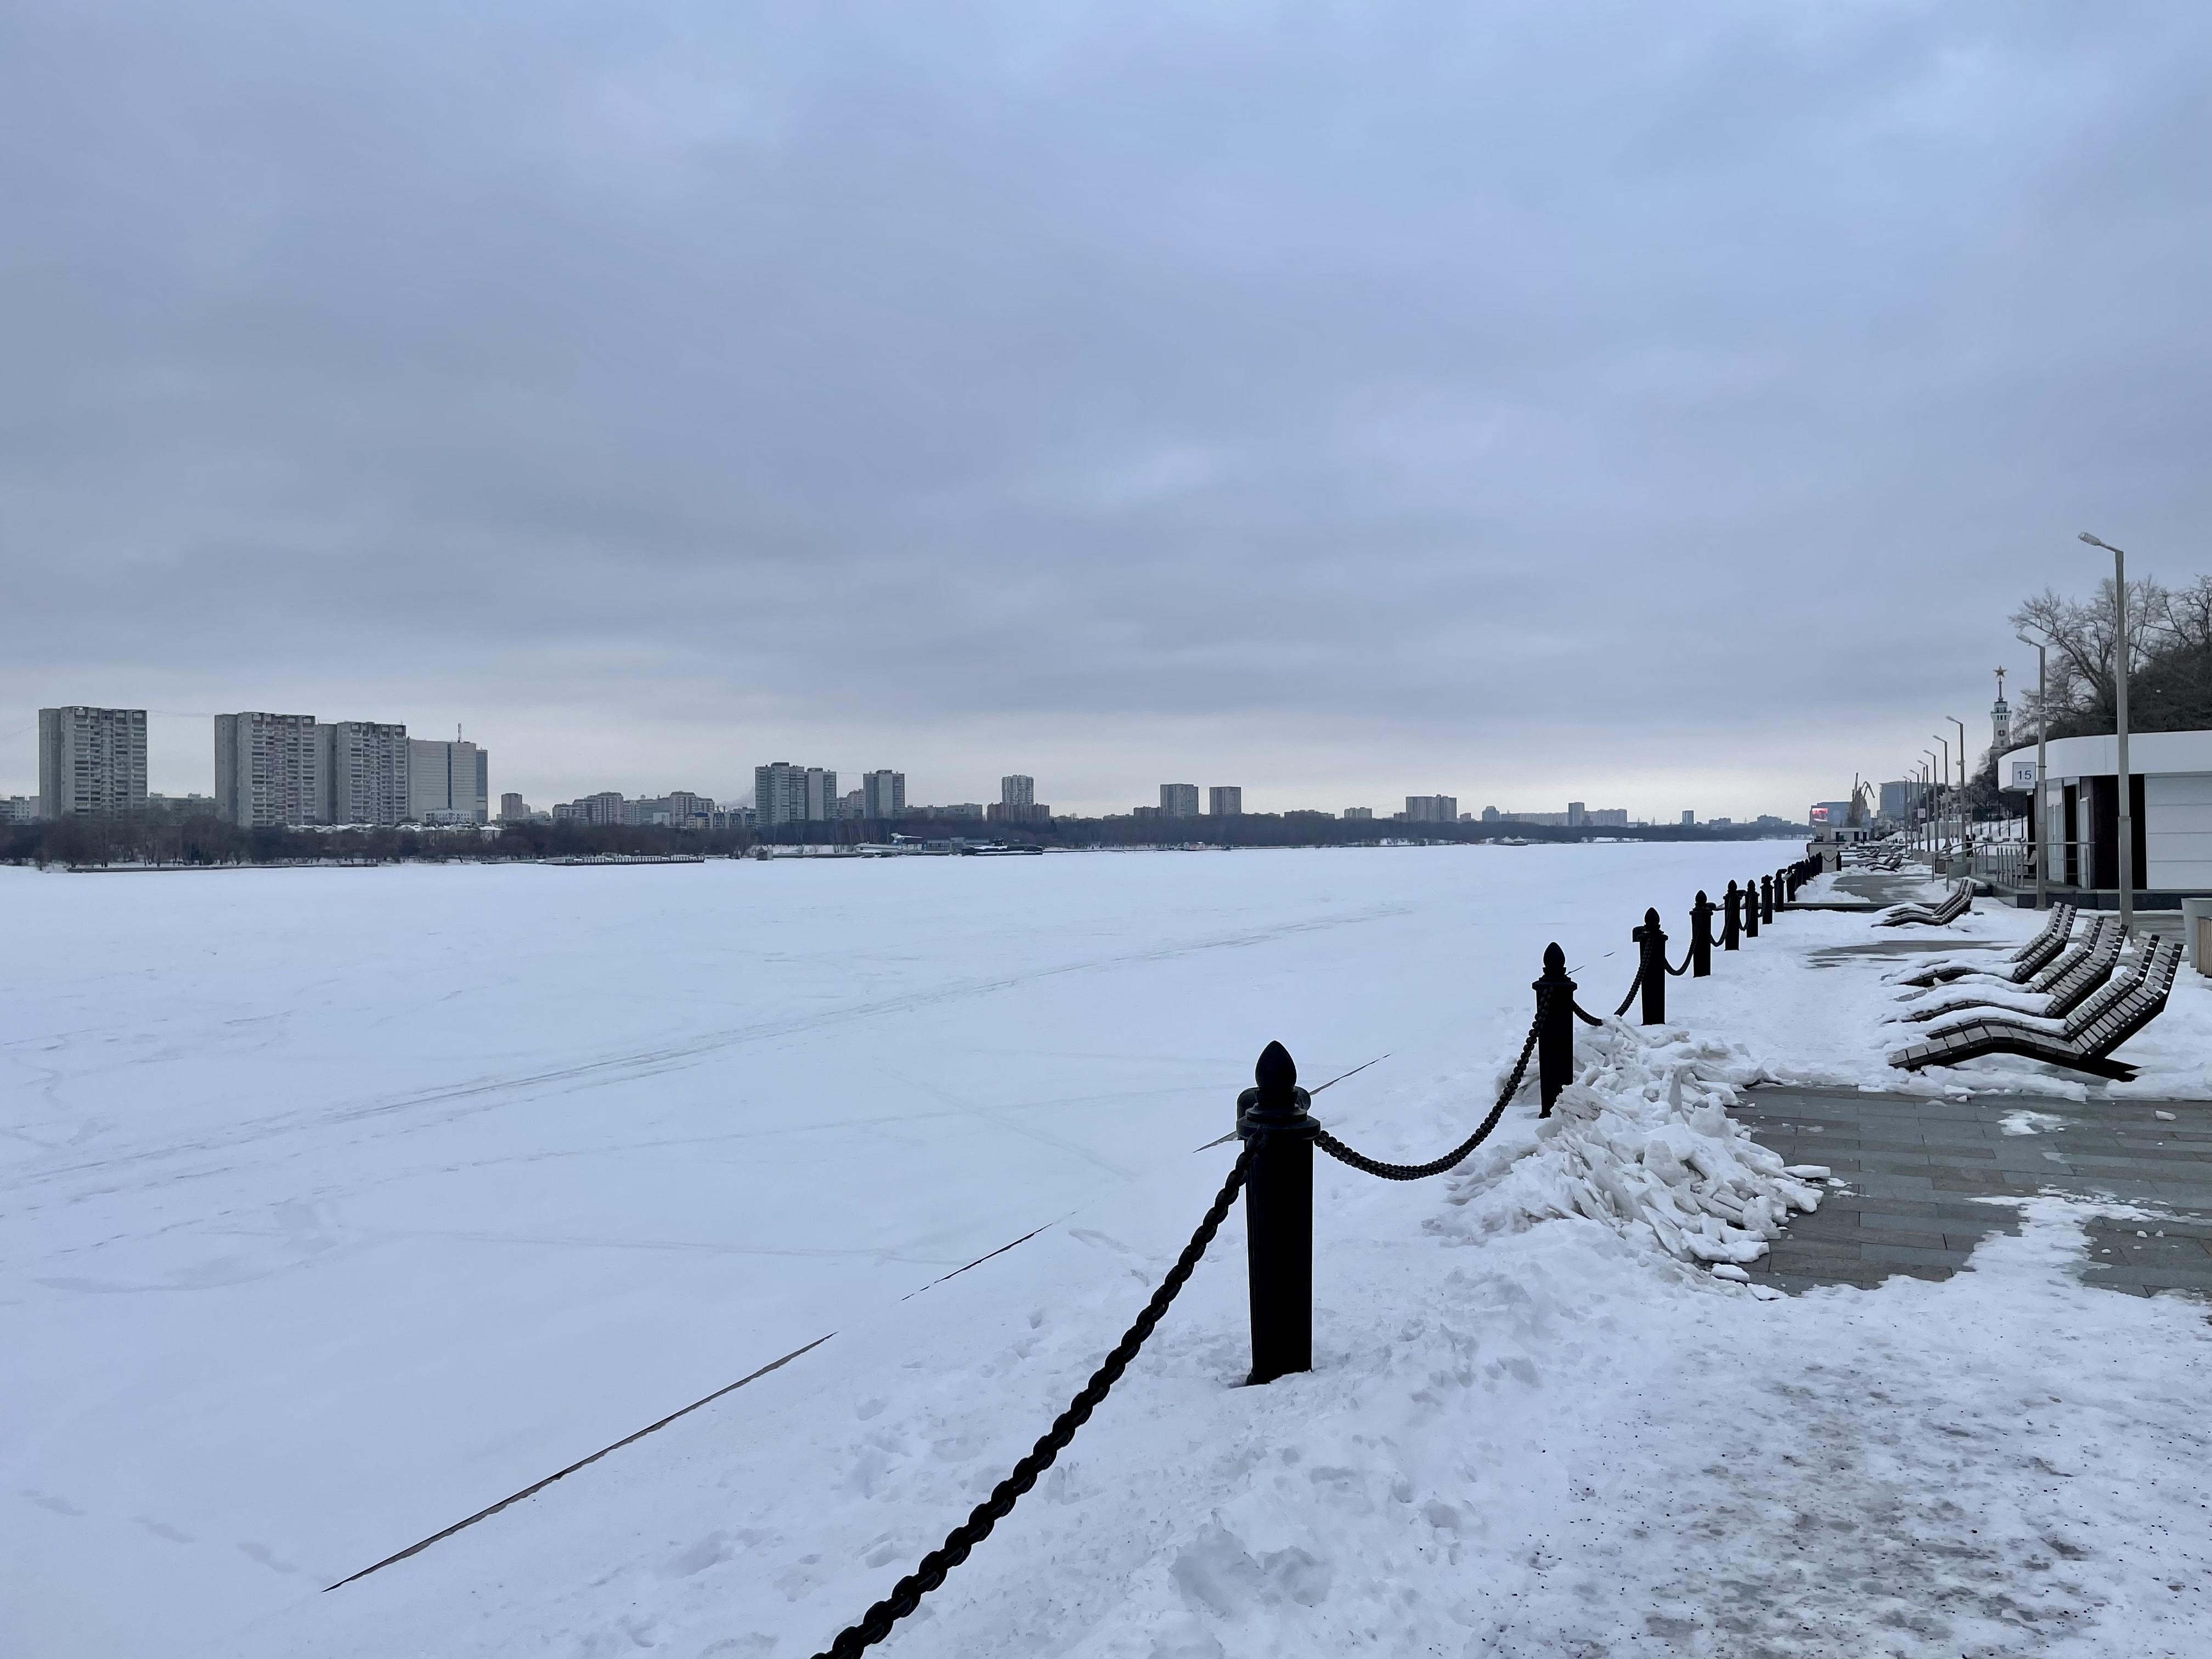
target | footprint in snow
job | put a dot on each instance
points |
(262, 1554)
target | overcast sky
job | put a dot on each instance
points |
(1659, 406)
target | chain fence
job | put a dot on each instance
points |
(1344, 1154)
(930, 1570)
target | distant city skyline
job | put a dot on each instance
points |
(168, 771)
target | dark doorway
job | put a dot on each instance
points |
(2105, 830)
(2073, 835)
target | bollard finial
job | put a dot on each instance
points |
(1651, 917)
(1702, 899)
(1277, 1074)
(1555, 959)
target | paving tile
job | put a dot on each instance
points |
(1904, 1211)
(1908, 1255)
(2105, 1187)
(1908, 1239)
(1967, 1241)
(1880, 1184)
(2164, 1278)
(1995, 1185)
(1933, 1179)
(1896, 1163)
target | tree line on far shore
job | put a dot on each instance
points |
(200, 840)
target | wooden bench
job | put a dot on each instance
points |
(2084, 1043)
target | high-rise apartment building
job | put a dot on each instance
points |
(269, 770)
(1431, 809)
(882, 794)
(364, 769)
(1574, 814)
(606, 807)
(513, 809)
(1178, 800)
(1225, 801)
(91, 760)
(683, 809)
(1359, 814)
(1689, 817)
(784, 794)
(448, 782)
(1017, 802)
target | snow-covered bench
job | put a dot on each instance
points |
(2084, 1043)
(2025, 963)
(2087, 967)
(1956, 904)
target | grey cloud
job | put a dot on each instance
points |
(1475, 397)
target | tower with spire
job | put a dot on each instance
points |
(2001, 719)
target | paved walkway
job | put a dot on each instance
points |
(1913, 1169)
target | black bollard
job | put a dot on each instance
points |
(1767, 898)
(1651, 974)
(1278, 1215)
(1751, 910)
(1701, 937)
(1731, 918)
(1789, 880)
(1555, 1038)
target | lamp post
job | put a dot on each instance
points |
(1943, 822)
(2039, 803)
(1965, 810)
(1931, 808)
(2122, 662)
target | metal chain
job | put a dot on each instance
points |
(1634, 986)
(1344, 1154)
(930, 1571)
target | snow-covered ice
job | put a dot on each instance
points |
(343, 1203)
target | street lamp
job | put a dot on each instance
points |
(1965, 823)
(2039, 803)
(1942, 821)
(1934, 813)
(2122, 662)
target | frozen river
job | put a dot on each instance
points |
(339, 1204)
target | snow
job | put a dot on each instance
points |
(343, 1203)
(1836, 1024)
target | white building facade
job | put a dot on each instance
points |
(2170, 777)
(784, 794)
(91, 761)
(269, 770)
(365, 771)
(882, 794)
